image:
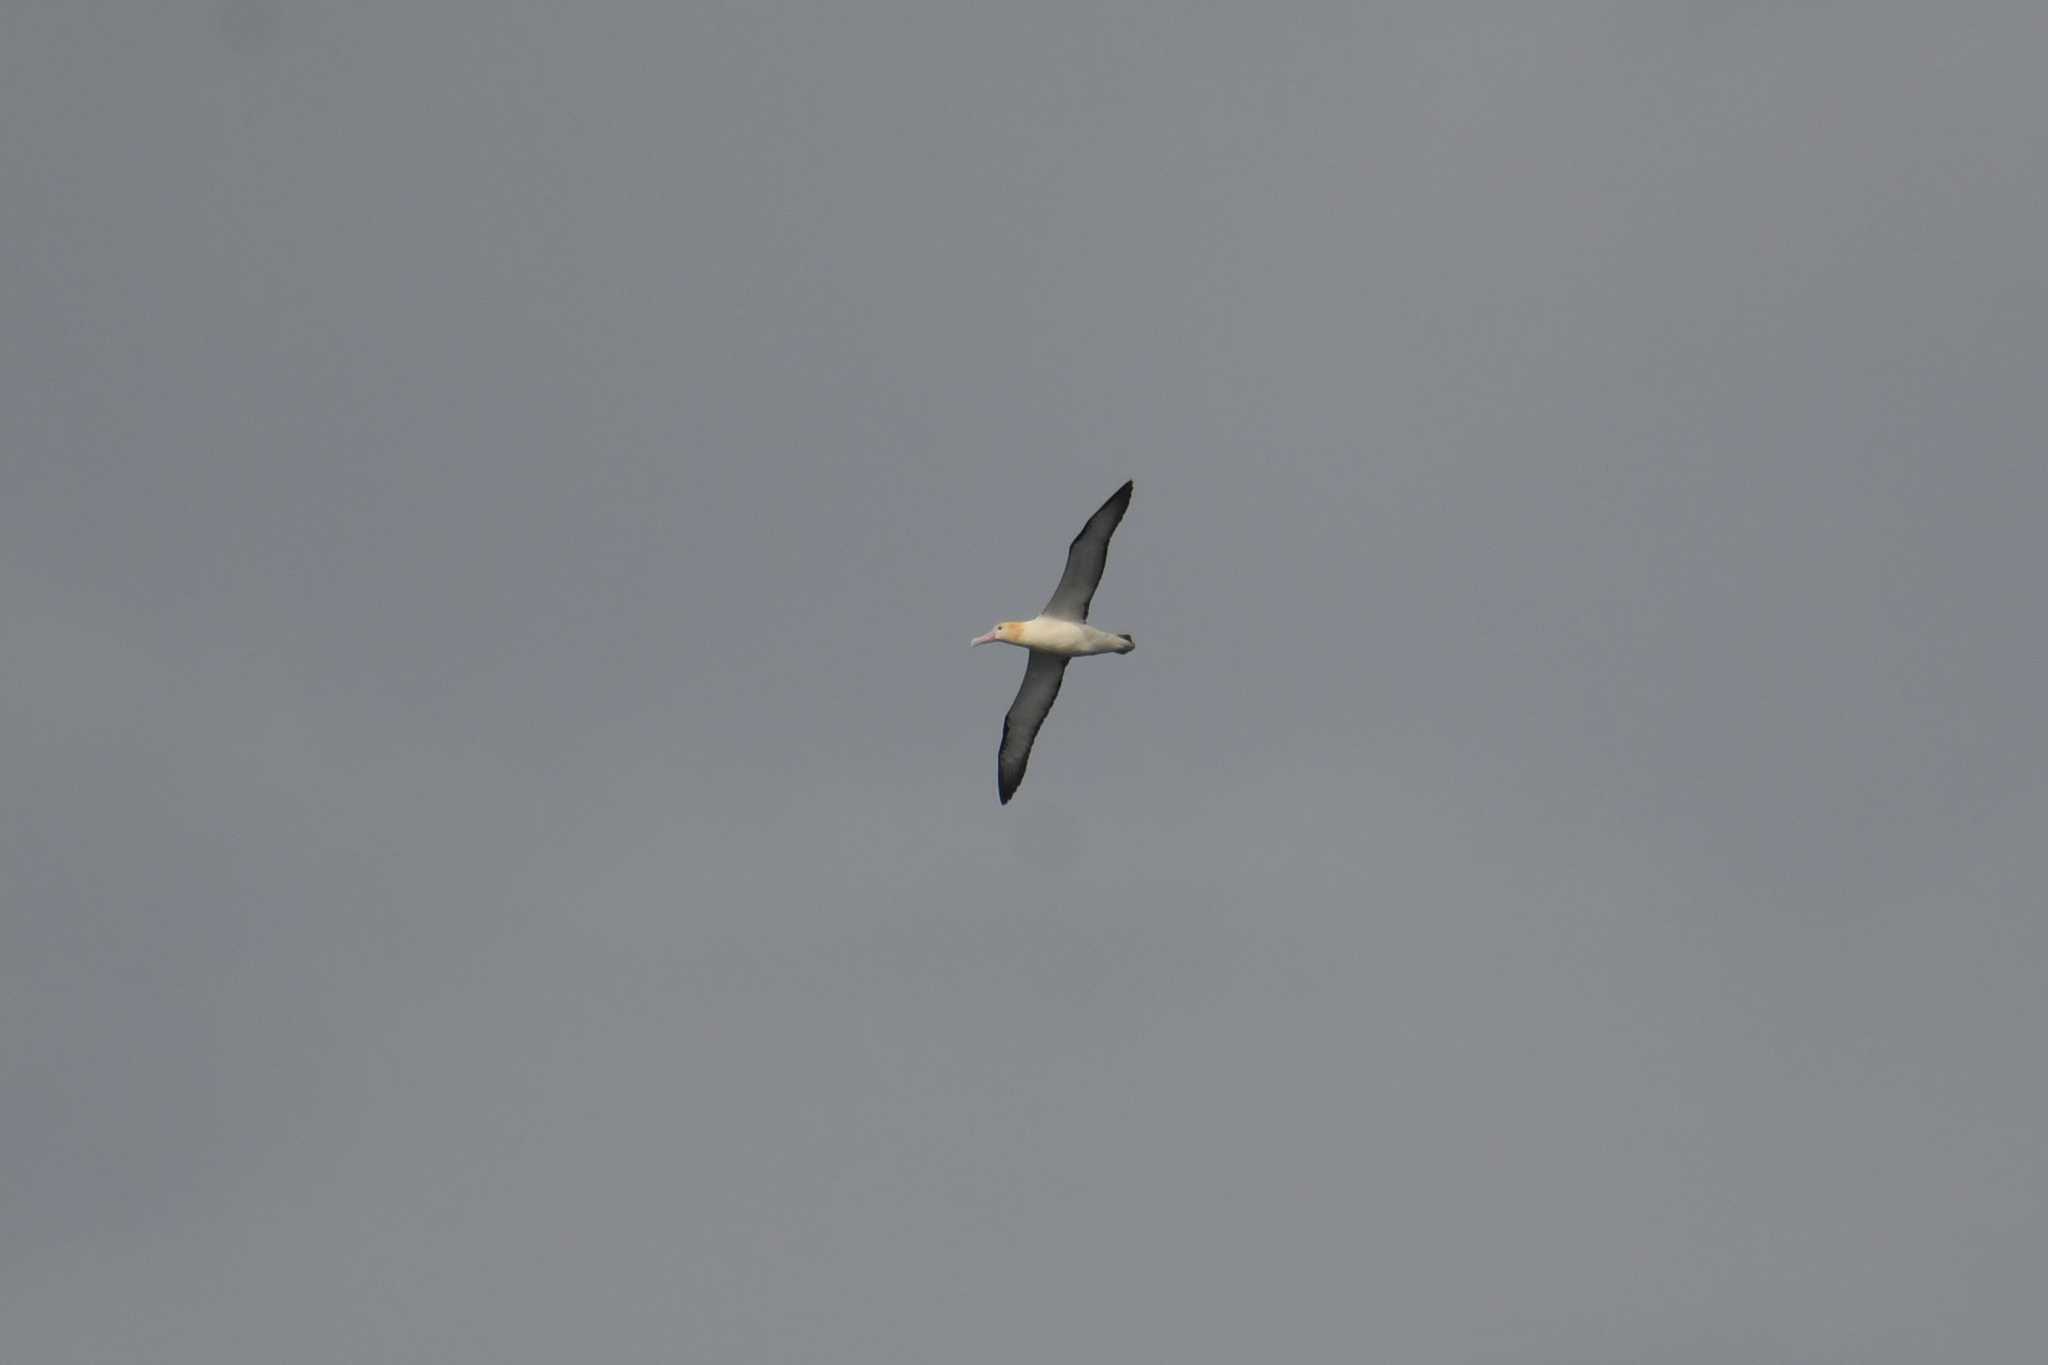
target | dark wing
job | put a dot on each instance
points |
(1041, 684)
(1085, 558)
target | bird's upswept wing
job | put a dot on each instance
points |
(1085, 558)
(1034, 699)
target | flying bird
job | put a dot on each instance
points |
(1055, 635)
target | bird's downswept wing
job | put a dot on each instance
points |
(1042, 677)
(1085, 558)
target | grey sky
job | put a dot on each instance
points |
(499, 856)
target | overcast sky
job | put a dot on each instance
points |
(499, 852)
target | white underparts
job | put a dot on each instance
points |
(1050, 635)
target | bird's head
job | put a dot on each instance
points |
(1004, 633)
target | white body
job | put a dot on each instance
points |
(1050, 635)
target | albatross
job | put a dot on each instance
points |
(1057, 634)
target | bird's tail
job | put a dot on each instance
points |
(1128, 640)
